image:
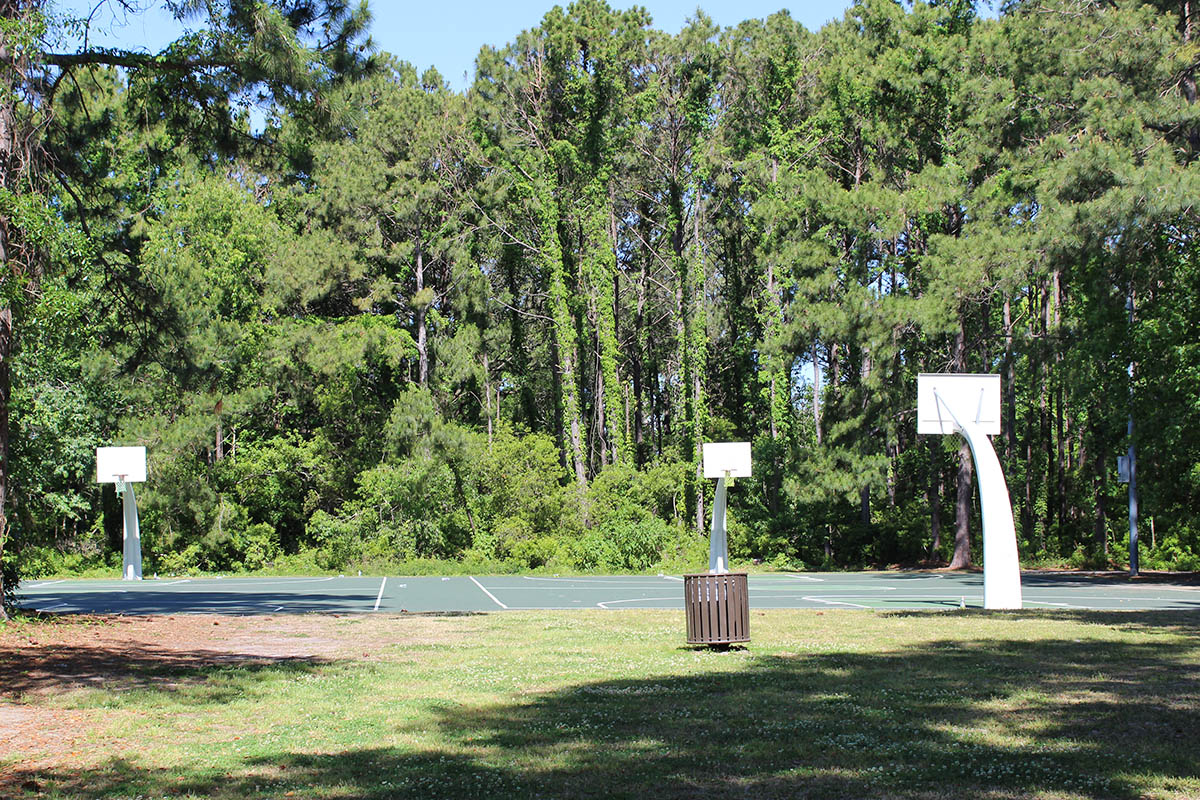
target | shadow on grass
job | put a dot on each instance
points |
(1168, 621)
(207, 675)
(996, 718)
(144, 599)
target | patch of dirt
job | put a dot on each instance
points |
(46, 656)
(40, 737)
(49, 655)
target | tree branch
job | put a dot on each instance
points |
(130, 60)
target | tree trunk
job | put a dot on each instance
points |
(487, 397)
(420, 310)
(556, 386)
(220, 439)
(1100, 530)
(933, 493)
(6, 349)
(966, 476)
(565, 338)
(699, 348)
(527, 405)
(610, 347)
(816, 392)
(772, 324)
(639, 414)
(893, 454)
(1047, 454)
(640, 338)
(1060, 421)
(962, 509)
(1010, 385)
(598, 449)
(1188, 83)
(11, 168)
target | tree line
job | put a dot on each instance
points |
(360, 318)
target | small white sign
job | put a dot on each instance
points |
(727, 460)
(120, 463)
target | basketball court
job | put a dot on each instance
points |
(394, 595)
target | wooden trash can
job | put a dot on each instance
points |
(717, 606)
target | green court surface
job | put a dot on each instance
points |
(393, 595)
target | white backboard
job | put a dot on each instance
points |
(971, 397)
(727, 460)
(114, 462)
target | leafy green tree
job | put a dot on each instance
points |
(244, 50)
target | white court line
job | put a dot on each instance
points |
(611, 580)
(1045, 603)
(176, 583)
(607, 603)
(46, 583)
(379, 596)
(891, 598)
(765, 593)
(485, 591)
(834, 589)
(804, 578)
(671, 578)
(832, 602)
(1107, 598)
(240, 582)
(54, 608)
(587, 608)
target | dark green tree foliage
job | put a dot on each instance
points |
(406, 324)
(279, 52)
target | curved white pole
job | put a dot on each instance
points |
(132, 537)
(718, 546)
(1001, 566)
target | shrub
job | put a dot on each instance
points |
(1171, 554)
(41, 561)
(180, 562)
(534, 553)
(626, 546)
(254, 546)
(10, 576)
(520, 485)
(338, 540)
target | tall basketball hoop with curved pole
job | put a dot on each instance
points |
(723, 461)
(969, 404)
(125, 466)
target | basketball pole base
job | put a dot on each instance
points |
(131, 568)
(718, 543)
(1001, 565)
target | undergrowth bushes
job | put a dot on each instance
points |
(443, 500)
(446, 499)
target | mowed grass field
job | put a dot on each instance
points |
(834, 704)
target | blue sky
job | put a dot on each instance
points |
(447, 34)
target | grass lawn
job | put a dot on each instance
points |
(836, 704)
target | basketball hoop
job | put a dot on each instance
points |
(123, 467)
(723, 461)
(969, 404)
